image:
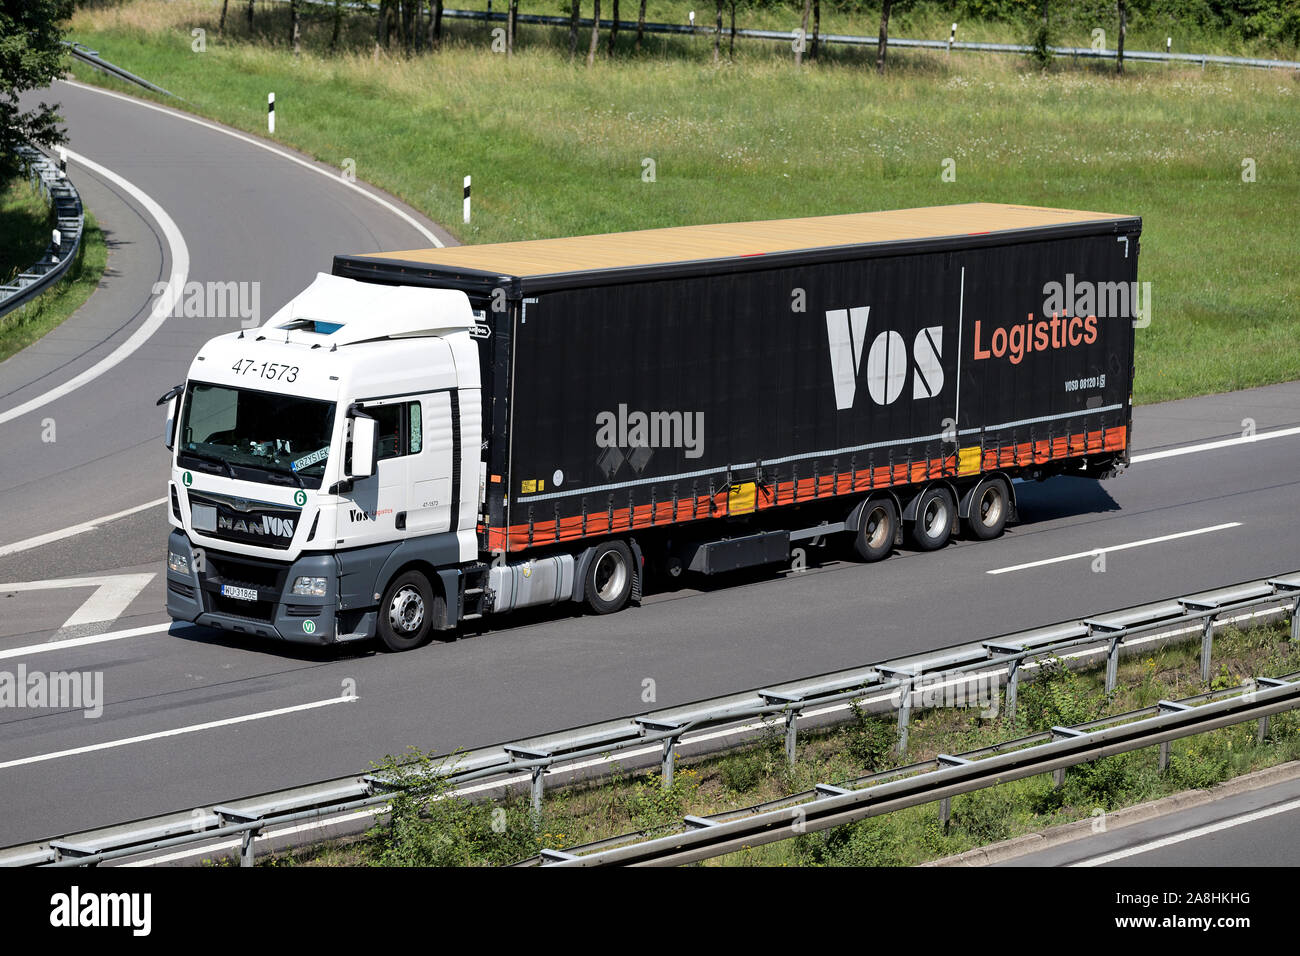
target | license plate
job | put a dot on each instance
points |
(240, 594)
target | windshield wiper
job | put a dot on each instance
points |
(278, 476)
(213, 459)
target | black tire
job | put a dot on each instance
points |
(608, 583)
(406, 612)
(989, 509)
(877, 526)
(933, 523)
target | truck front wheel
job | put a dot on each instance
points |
(609, 577)
(406, 612)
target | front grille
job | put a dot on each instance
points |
(246, 573)
(262, 611)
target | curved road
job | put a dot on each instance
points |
(193, 717)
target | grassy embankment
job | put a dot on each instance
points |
(25, 224)
(557, 149)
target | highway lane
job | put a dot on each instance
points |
(547, 671)
(245, 215)
(195, 716)
(1249, 829)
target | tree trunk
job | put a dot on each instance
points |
(803, 34)
(731, 48)
(295, 26)
(338, 25)
(817, 28)
(613, 27)
(221, 24)
(882, 44)
(1123, 28)
(512, 14)
(573, 29)
(250, 16)
(717, 31)
(437, 23)
(640, 26)
(595, 33)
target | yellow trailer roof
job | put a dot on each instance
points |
(726, 240)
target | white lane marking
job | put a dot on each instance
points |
(1213, 445)
(175, 732)
(1190, 834)
(49, 538)
(1116, 547)
(113, 594)
(332, 175)
(48, 646)
(162, 307)
(702, 737)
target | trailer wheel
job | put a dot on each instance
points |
(874, 538)
(933, 524)
(988, 510)
(406, 612)
(609, 577)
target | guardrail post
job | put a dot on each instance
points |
(1013, 685)
(1112, 664)
(1207, 647)
(945, 803)
(790, 740)
(666, 770)
(538, 770)
(1295, 621)
(904, 713)
(225, 814)
(1163, 763)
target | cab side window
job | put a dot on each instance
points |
(398, 429)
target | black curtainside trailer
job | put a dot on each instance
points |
(851, 373)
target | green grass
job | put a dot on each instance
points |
(557, 149)
(25, 223)
(23, 326)
(453, 831)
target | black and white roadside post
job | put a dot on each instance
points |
(270, 112)
(467, 199)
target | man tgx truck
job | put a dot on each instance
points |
(424, 438)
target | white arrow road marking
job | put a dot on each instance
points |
(113, 594)
(175, 732)
(41, 539)
(1116, 547)
(162, 307)
(1190, 834)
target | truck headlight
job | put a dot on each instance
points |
(180, 563)
(314, 587)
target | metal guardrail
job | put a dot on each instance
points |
(69, 216)
(787, 36)
(91, 57)
(900, 684)
(944, 777)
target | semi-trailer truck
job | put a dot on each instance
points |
(424, 438)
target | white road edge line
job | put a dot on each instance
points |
(333, 175)
(162, 307)
(1214, 445)
(1116, 547)
(1190, 834)
(42, 539)
(703, 737)
(175, 732)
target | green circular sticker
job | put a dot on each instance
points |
(309, 627)
(300, 498)
(187, 479)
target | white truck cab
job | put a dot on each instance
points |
(320, 453)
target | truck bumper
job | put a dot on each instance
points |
(202, 596)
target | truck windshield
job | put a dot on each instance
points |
(279, 438)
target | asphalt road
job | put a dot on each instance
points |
(1255, 828)
(193, 716)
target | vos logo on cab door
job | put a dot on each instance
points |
(887, 360)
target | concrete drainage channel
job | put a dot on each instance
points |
(348, 805)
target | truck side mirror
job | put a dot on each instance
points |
(172, 401)
(363, 447)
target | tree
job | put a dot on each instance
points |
(882, 44)
(817, 29)
(295, 25)
(803, 34)
(717, 32)
(30, 55)
(221, 24)
(250, 16)
(613, 27)
(640, 26)
(595, 33)
(573, 29)
(1123, 28)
